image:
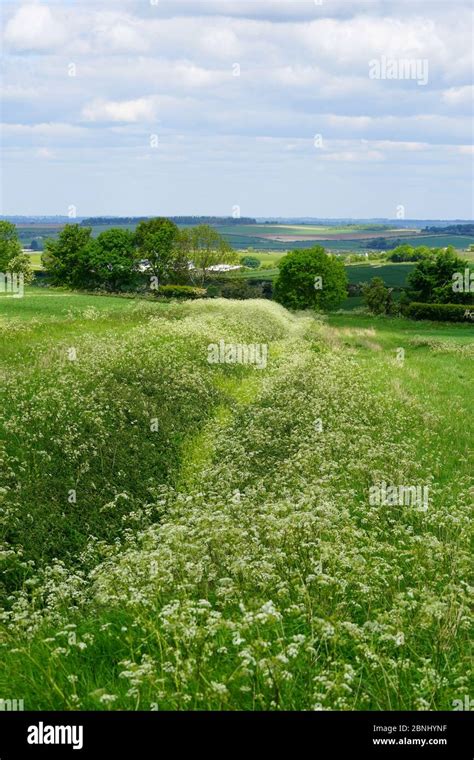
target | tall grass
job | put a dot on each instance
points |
(230, 558)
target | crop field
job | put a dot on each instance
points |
(394, 275)
(281, 237)
(178, 534)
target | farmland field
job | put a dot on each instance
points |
(281, 237)
(394, 275)
(184, 535)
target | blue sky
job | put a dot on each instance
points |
(171, 107)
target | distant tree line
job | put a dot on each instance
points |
(453, 229)
(381, 243)
(96, 221)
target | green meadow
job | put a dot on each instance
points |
(178, 534)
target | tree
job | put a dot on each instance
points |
(311, 279)
(66, 259)
(407, 252)
(433, 277)
(112, 258)
(9, 245)
(21, 264)
(250, 261)
(157, 240)
(377, 296)
(208, 248)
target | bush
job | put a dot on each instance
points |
(21, 264)
(440, 312)
(250, 261)
(240, 290)
(213, 291)
(355, 289)
(181, 291)
(377, 296)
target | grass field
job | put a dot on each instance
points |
(184, 535)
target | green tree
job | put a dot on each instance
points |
(9, 245)
(157, 241)
(66, 259)
(112, 258)
(207, 249)
(311, 279)
(377, 296)
(432, 279)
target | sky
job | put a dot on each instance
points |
(323, 108)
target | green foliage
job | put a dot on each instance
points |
(207, 248)
(409, 253)
(228, 558)
(112, 259)
(241, 290)
(250, 261)
(432, 279)
(311, 279)
(213, 291)
(180, 291)
(66, 259)
(157, 241)
(21, 264)
(378, 297)
(440, 312)
(10, 247)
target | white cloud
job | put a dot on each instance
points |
(34, 28)
(45, 153)
(167, 69)
(139, 110)
(459, 95)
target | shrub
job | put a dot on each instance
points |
(250, 261)
(181, 291)
(241, 290)
(21, 264)
(440, 312)
(377, 296)
(213, 291)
